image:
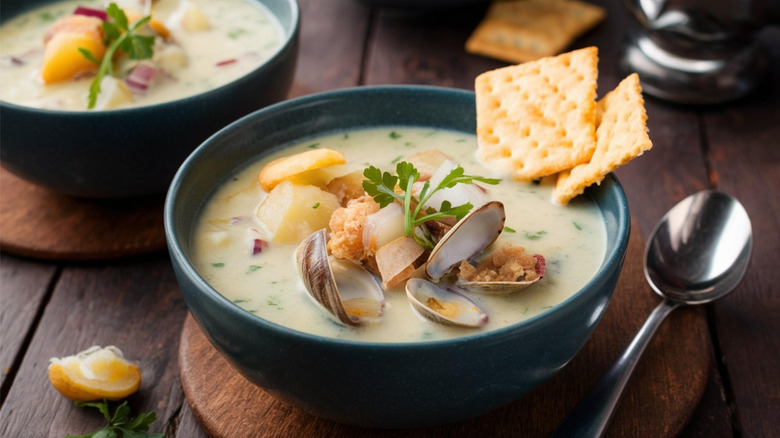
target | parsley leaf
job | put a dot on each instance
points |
(120, 36)
(382, 187)
(119, 424)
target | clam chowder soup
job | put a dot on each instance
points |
(398, 279)
(68, 55)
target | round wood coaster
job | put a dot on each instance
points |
(37, 223)
(660, 398)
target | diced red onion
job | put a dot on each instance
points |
(540, 265)
(236, 220)
(259, 246)
(141, 76)
(12, 61)
(91, 12)
(227, 62)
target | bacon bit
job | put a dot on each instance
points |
(259, 246)
(540, 265)
(227, 62)
(91, 12)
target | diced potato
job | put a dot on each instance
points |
(347, 187)
(287, 168)
(219, 238)
(170, 57)
(292, 212)
(427, 162)
(189, 17)
(113, 94)
(62, 60)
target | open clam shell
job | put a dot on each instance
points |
(469, 237)
(443, 305)
(344, 289)
(504, 287)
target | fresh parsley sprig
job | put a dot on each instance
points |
(381, 186)
(120, 425)
(122, 36)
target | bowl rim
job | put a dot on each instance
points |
(613, 258)
(289, 40)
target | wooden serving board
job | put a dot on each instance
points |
(661, 396)
(38, 223)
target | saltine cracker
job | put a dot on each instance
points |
(520, 31)
(621, 136)
(538, 118)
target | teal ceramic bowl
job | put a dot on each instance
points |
(378, 384)
(135, 151)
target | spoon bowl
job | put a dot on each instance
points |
(700, 250)
(697, 253)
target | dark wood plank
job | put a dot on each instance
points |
(188, 424)
(134, 305)
(332, 39)
(44, 225)
(426, 49)
(659, 400)
(23, 292)
(743, 140)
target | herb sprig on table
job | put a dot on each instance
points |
(381, 186)
(120, 425)
(120, 36)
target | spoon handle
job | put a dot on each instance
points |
(592, 415)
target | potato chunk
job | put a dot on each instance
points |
(62, 60)
(302, 168)
(292, 212)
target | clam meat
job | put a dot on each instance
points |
(443, 305)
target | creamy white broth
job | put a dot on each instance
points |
(572, 239)
(240, 30)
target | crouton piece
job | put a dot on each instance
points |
(346, 224)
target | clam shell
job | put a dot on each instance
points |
(469, 237)
(443, 305)
(344, 289)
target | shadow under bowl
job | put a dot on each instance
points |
(387, 385)
(136, 151)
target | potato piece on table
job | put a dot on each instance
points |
(292, 212)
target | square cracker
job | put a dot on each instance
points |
(538, 118)
(621, 137)
(520, 31)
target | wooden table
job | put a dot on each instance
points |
(57, 308)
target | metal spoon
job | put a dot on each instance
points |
(698, 253)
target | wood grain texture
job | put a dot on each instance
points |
(135, 306)
(22, 294)
(664, 392)
(333, 35)
(743, 140)
(425, 49)
(37, 223)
